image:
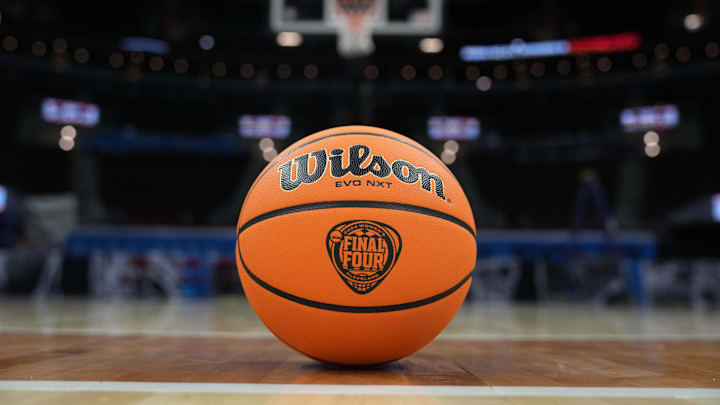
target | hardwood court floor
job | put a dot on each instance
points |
(153, 352)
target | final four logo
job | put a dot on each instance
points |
(363, 252)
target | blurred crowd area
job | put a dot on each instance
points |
(583, 134)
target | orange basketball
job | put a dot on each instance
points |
(356, 245)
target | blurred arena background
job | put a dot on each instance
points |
(585, 135)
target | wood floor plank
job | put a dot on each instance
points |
(590, 363)
(122, 398)
(692, 363)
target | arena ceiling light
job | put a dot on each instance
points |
(431, 45)
(450, 149)
(651, 138)
(483, 83)
(66, 144)
(652, 151)
(519, 49)
(206, 42)
(289, 39)
(693, 22)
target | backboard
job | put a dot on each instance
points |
(394, 17)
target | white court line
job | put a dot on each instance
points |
(322, 389)
(597, 336)
(50, 330)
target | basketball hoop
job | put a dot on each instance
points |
(354, 20)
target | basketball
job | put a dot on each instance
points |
(355, 245)
(539, 221)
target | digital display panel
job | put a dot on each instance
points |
(3, 198)
(657, 117)
(459, 128)
(264, 126)
(151, 45)
(58, 111)
(519, 49)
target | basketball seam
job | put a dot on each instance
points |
(350, 308)
(356, 204)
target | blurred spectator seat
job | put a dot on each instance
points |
(3, 268)
(187, 255)
(22, 268)
(598, 278)
(495, 279)
(705, 288)
(588, 262)
(694, 281)
(122, 274)
(50, 218)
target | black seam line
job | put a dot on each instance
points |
(356, 204)
(349, 308)
(276, 161)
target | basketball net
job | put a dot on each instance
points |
(355, 20)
